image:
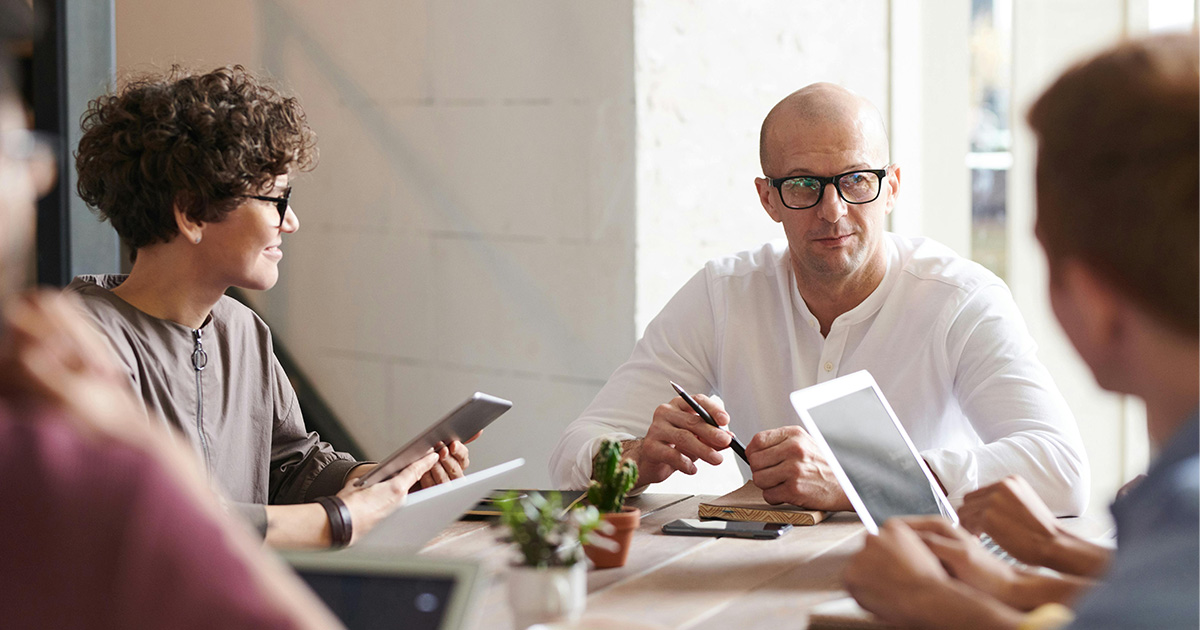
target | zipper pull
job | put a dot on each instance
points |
(199, 357)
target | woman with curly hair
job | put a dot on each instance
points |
(193, 171)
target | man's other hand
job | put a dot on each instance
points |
(789, 468)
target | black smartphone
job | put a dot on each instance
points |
(733, 529)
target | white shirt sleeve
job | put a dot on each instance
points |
(1011, 401)
(678, 346)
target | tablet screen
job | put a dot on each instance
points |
(871, 450)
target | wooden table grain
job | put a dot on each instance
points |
(683, 581)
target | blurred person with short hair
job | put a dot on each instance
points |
(1118, 194)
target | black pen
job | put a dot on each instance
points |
(734, 443)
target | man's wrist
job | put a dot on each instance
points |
(1076, 556)
(966, 608)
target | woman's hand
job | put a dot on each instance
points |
(370, 505)
(452, 461)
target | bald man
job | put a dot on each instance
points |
(940, 334)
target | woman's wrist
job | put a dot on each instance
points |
(297, 526)
(341, 525)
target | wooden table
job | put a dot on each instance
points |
(685, 581)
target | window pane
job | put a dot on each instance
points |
(990, 154)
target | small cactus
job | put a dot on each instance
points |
(612, 478)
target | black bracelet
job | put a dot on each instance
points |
(341, 529)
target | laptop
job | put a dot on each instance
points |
(374, 591)
(427, 512)
(869, 451)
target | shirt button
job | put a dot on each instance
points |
(828, 367)
(812, 323)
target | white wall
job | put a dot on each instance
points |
(707, 73)
(470, 225)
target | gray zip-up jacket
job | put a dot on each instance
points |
(221, 386)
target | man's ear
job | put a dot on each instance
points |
(893, 184)
(764, 197)
(190, 229)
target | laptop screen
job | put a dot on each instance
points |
(874, 455)
(365, 601)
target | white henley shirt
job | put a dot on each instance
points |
(941, 335)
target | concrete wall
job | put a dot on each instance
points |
(470, 225)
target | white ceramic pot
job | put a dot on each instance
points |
(547, 595)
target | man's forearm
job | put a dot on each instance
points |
(1073, 555)
(1032, 589)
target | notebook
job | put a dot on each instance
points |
(374, 591)
(747, 504)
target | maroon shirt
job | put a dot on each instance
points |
(95, 535)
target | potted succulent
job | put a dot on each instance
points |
(612, 478)
(550, 582)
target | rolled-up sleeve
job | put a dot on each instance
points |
(302, 466)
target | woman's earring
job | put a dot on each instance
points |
(197, 240)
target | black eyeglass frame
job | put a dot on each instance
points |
(281, 203)
(881, 173)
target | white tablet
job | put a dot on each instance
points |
(461, 424)
(427, 512)
(871, 454)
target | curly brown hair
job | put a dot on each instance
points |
(196, 140)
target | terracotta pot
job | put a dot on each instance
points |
(624, 524)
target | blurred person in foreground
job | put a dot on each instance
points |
(194, 172)
(107, 521)
(1118, 192)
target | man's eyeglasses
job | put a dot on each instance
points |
(806, 191)
(281, 203)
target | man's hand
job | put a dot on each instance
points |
(896, 576)
(370, 505)
(964, 558)
(677, 437)
(788, 467)
(1014, 516)
(452, 461)
(1011, 512)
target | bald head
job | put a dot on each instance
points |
(821, 105)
